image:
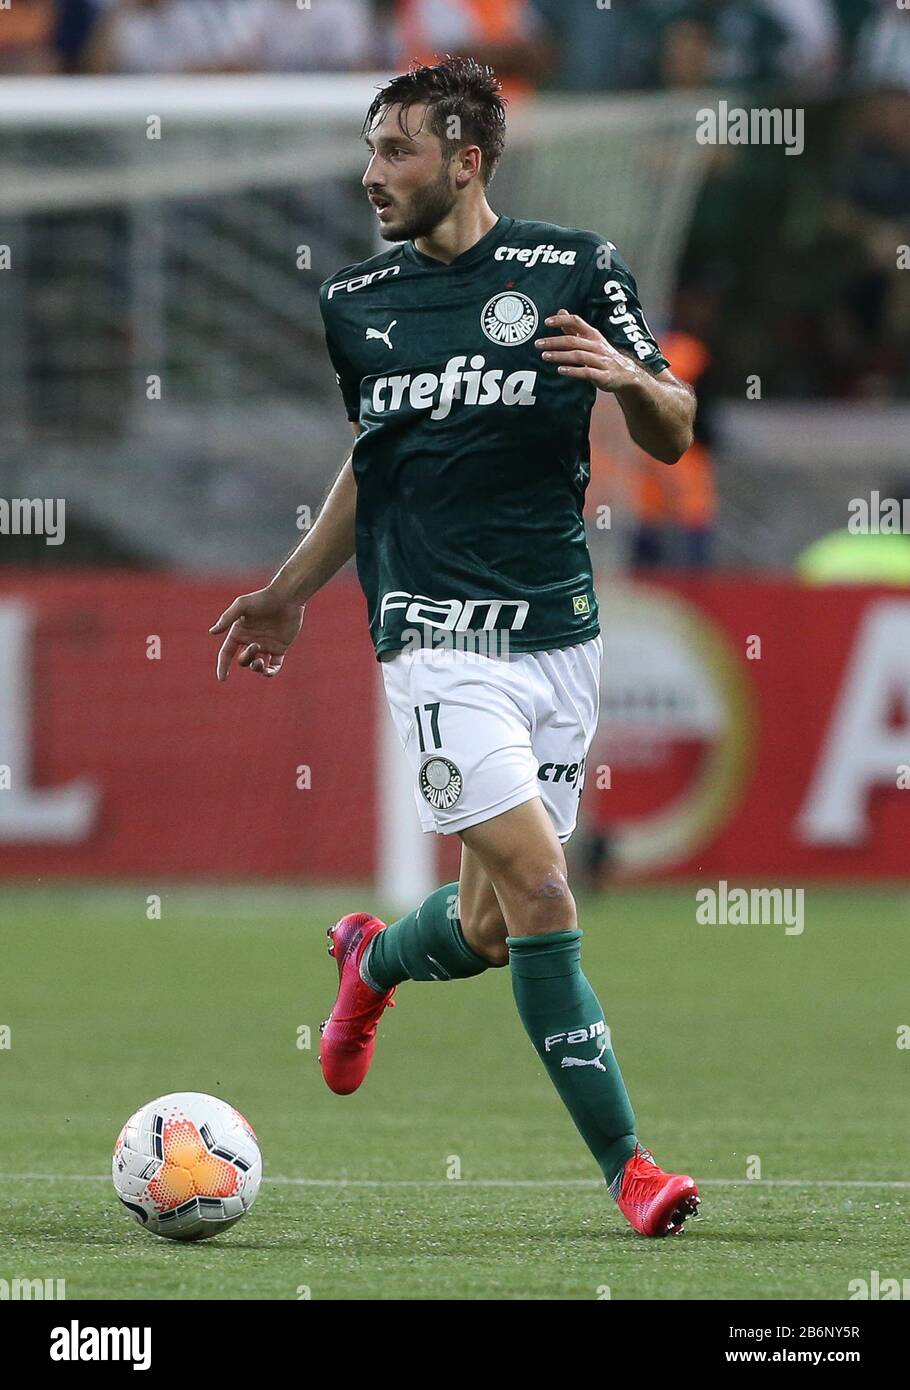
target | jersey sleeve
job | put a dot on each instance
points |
(347, 378)
(614, 308)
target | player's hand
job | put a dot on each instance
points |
(583, 352)
(260, 627)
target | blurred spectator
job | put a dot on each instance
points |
(675, 509)
(883, 48)
(699, 43)
(670, 513)
(330, 36)
(232, 36)
(814, 45)
(26, 29)
(687, 52)
(599, 49)
(162, 36)
(74, 22)
(866, 223)
(876, 173)
(851, 15)
(718, 41)
(168, 36)
(508, 34)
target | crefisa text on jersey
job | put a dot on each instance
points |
(474, 387)
(530, 255)
(76, 1343)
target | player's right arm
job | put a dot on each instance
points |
(260, 626)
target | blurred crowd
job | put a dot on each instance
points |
(584, 45)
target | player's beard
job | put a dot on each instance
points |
(427, 207)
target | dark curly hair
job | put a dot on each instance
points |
(458, 87)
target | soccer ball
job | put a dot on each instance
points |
(187, 1166)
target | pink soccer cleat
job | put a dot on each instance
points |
(349, 1032)
(655, 1202)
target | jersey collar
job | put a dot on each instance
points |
(470, 257)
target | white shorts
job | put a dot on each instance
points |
(484, 734)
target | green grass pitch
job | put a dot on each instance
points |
(735, 1042)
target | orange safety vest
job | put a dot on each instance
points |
(489, 21)
(26, 25)
(658, 495)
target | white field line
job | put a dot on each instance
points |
(491, 1182)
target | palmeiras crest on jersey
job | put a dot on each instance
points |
(509, 318)
(440, 782)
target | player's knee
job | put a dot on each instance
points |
(542, 902)
(485, 932)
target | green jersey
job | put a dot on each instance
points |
(473, 460)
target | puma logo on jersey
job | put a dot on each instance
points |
(357, 282)
(435, 393)
(383, 337)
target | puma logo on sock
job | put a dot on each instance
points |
(586, 1061)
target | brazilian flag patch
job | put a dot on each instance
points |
(581, 605)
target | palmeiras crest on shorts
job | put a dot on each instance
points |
(440, 782)
(509, 318)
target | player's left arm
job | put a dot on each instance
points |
(659, 408)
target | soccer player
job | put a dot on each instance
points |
(468, 357)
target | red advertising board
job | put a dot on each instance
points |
(748, 727)
(754, 727)
(129, 757)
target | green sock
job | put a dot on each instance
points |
(565, 1022)
(427, 944)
